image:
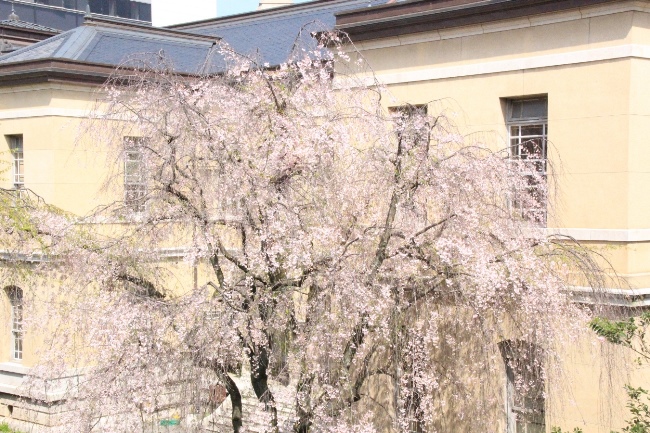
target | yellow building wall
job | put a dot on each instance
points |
(63, 170)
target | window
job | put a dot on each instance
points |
(99, 6)
(144, 12)
(15, 295)
(406, 121)
(528, 130)
(70, 4)
(18, 162)
(123, 8)
(525, 396)
(134, 178)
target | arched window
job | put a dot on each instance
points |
(15, 295)
(525, 395)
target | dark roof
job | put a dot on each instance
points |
(109, 42)
(28, 26)
(272, 32)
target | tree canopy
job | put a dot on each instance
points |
(360, 264)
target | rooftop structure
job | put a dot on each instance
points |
(67, 14)
(15, 33)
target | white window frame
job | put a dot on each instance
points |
(15, 295)
(135, 188)
(18, 161)
(528, 136)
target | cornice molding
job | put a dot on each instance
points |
(627, 298)
(425, 16)
(54, 70)
(603, 235)
(504, 25)
(617, 52)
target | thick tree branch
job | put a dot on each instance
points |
(149, 288)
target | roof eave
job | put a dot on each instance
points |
(252, 14)
(111, 23)
(54, 70)
(427, 15)
(63, 70)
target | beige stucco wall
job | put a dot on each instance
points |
(63, 170)
(586, 62)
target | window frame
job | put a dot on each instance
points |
(135, 186)
(532, 410)
(518, 142)
(15, 296)
(17, 150)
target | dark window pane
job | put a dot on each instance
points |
(516, 109)
(533, 148)
(99, 7)
(144, 11)
(528, 109)
(535, 109)
(532, 130)
(123, 8)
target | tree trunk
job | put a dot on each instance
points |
(259, 380)
(235, 400)
(303, 409)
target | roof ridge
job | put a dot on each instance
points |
(264, 13)
(26, 24)
(35, 47)
(73, 44)
(96, 21)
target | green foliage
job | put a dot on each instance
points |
(628, 333)
(640, 422)
(559, 430)
(4, 428)
(615, 332)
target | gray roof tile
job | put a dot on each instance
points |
(28, 26)
(41, 50)
(105, 42)
(271, 34)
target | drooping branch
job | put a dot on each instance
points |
(149, 289)
(384, 238)
(355, 341)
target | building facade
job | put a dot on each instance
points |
(563, 82)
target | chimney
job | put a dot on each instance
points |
(268, 4)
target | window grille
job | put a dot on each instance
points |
(135, 189)
(528, 134)
(18, 161)
(15, 295)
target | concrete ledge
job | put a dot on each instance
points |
(606, 235)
